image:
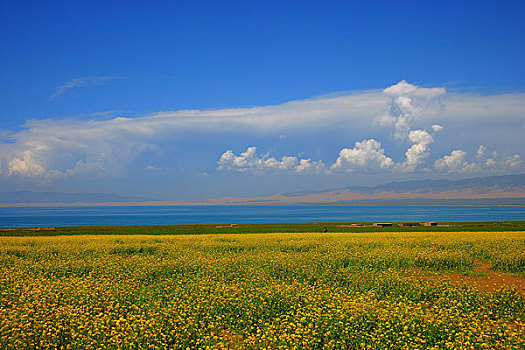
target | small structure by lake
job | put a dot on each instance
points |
(409, 224)
(382, 224)
(430, 223)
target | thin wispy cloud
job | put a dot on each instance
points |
(78, 83)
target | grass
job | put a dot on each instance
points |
(487, 226)
(346, 290)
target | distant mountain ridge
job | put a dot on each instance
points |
(9, 197)
(501, 182)
(491, 190)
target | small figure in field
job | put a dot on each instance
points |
(325, 229)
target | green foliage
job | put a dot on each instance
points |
(128, 251)
(487, 226)
(253, 291)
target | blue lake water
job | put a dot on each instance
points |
(166, 215)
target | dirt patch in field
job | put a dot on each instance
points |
(231, 339)
(489, 281)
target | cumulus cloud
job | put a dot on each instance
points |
(481, 151)
(250, 161)
(79, 82)
(513, 161)
(26, 164)
(408, 103)
(415, 155)
(457, 162)
(489, 163)
(366, 155)
(437, 127)
(57, 147)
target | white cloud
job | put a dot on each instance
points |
(415, 155)
(481, 151)
(405, 89)
(58, 147)
(456, 162)
(250, 161)
(308, 165)
(79, 82)
(407, 104)
(26, 165)
(513, 161)
(366, 155)
(489, 163)
(437, 127)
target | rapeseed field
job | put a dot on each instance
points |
(261, 291)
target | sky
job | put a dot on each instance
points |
(177, 100)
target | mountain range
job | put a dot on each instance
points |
(492, 190)
(11, 197)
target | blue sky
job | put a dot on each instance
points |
(161, 99)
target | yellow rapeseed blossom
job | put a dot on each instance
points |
(268, 291)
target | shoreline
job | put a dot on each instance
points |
(231, 228)
(193, 204)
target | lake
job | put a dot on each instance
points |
(167, 215)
